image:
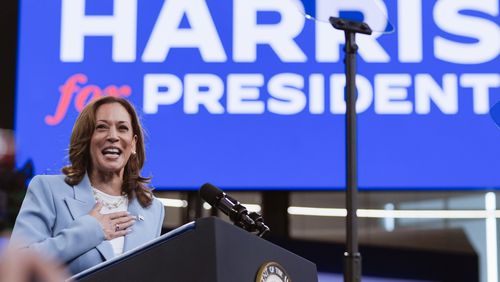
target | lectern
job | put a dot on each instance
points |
(206, 250)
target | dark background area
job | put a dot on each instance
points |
(8, 17)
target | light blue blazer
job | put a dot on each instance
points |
(54, 220)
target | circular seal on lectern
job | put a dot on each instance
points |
(272, 272)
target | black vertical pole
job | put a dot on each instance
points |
(273, 201)
(352, 257)
(194, 208)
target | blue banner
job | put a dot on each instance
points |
(249, 94)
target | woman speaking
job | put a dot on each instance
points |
(100, 207)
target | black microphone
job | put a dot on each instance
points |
(238, 214)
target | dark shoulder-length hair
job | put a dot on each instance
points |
(134, 185)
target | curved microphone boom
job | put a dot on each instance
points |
(238, 214)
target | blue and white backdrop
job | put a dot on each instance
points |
(249, 94)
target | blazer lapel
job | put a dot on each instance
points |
(83, 200)
(81, 205)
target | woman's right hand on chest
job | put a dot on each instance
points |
(113, 224)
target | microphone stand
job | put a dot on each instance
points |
(352, 257)
(251, 222)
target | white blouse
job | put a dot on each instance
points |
(112, 204)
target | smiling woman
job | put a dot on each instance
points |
(107, 140)
(112, 143)
(85, 216)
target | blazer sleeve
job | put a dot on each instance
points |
(35, 222)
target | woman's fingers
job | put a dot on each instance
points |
(96, 210)
(114, 224)
(97, 207)
(124, 223)
(116, 215)
(120, 233)
(124, 219)
(120, 223)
